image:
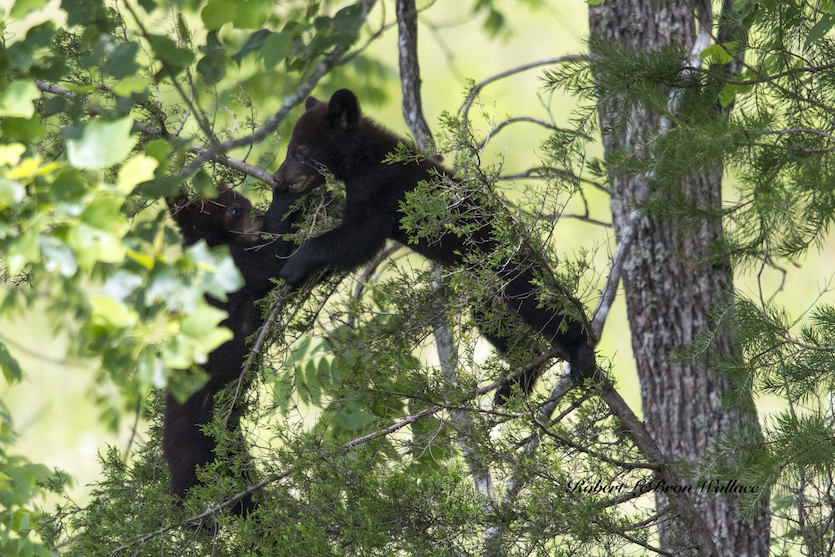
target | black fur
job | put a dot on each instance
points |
(227, 220)
(334, 137)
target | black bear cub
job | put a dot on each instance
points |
(224, 220)
(334, 137)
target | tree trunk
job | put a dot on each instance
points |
(667, 297)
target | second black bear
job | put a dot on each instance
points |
(333, 137)
(224, 220)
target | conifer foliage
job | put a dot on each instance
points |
(366, 401)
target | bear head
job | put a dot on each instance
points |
(323, 142)
(225, 219)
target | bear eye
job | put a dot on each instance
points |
(301, 152)
(234, 210)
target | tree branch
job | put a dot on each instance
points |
(223, 159)
(332, 59)
(476, 89)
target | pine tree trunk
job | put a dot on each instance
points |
(667, 298)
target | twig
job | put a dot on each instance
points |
(476, 89)
(223, 159)
(332, 59)
(515, 119)
(281, 298)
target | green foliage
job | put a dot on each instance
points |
(95, 131)
(21, 484)
(757, 108)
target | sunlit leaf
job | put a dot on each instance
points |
(130, 86)
(92, 245)
(22, 8)
(11, 192)
(9, 365)
(57, 256)
(10, 154)
(16, 100)
(102, 144)
(137, 170)
(112, 312)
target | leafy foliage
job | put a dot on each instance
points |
(359, 446)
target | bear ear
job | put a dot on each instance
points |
(311, 102)
(344, 109)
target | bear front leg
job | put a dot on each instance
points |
(345, 247)
(184, 446)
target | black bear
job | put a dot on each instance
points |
(224, 220)
(334, 137)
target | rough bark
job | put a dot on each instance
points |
(667, 297)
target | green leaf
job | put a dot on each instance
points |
(105, 214)
(350, 18)
(122, 63)
(137, 170)
(10, 366)
(255, 42)
(161, 186)
(175, 57)
(22, 8)
(92, 245)
(243, 14)
(222, 275)
(112, 313)
(148, 5)
(17, 99)
(718, 53)
(39, 472)
(276, 48)
(80, 12)
(355, 421)
(216, 14)
(21, 129)
(203, 327)
(11, 192)
(130, 86)
(102, 144)
(212, 68)
(821, 28)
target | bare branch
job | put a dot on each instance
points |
(476, 89)
(410, 74)
(515, 119)
(541, 173)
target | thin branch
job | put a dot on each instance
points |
(444, 339)
(369, 271)
(255, 351)
(332, 59)
(513, 120)
(580, 448)
(222, 159)
(541, 173)
(584, 218)
(476, 89)
(607, 297)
